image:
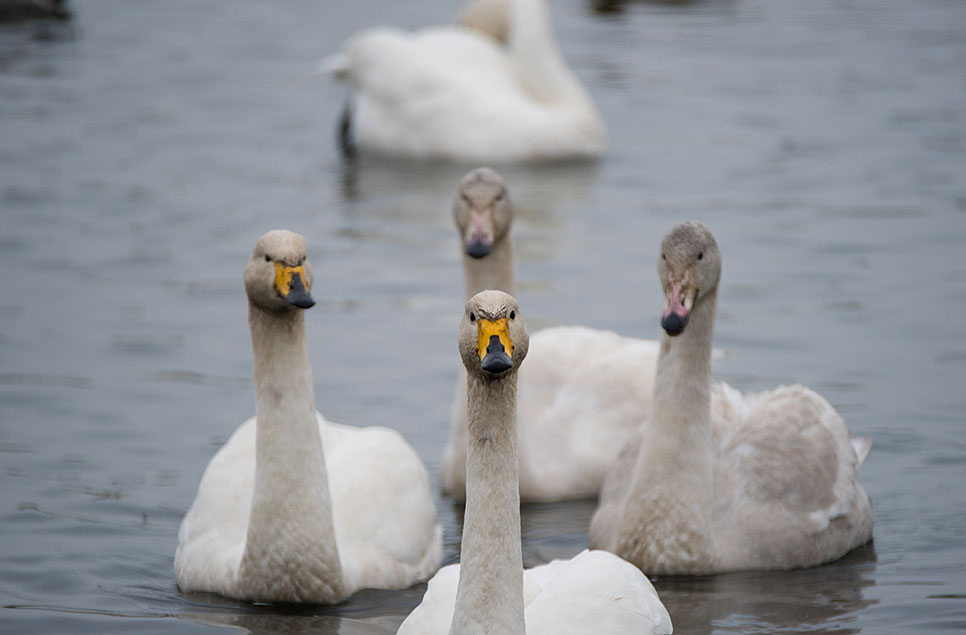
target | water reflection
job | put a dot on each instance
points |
(541, 189)
(369, 612)
(820, 599)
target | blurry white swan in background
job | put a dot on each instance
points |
(294, 508)
(455, 93)
(583, 392)
(716, 481)
(488, 592)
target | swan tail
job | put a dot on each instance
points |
(861, 445)
(336, 65)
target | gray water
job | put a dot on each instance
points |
(146, 145)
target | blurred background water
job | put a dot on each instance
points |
(144, 146)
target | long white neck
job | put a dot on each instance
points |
(291, 539)
(493, 271)
(536, 58)
(667, 519)
(490, 594)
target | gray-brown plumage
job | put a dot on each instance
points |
(718, 481)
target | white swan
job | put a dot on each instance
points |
(727, 482)
(295, 508)
(595, 592)
(454, 93)
(582, 392)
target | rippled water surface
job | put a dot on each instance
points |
(146, 145)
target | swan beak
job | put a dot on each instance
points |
(478, 247)
(478, 239)
(494, 345)
(288, 281)
(677, 308)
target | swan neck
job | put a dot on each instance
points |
(494, 271)
(535, 56)
(490, 594)
(290, 526)
(682, 383)
(672, 487)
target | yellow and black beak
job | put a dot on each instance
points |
(494, 345)
(288, 281)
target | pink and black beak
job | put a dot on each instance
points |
(478, 238)
(677, 308)
(478, 243)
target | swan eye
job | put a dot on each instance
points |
(664, 257)
(501, 195)
(268, 258)
(513, 315)
(472, 317)
(700, 255)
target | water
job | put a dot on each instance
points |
(145, 146)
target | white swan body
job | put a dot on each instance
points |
(717, 481)
(295, 508)
(582, 393)
(594, 592)
(454, 93)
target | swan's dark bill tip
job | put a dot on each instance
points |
(303, 302)
(478, 250)
(497, 362)
(674, 324)
(298, 295)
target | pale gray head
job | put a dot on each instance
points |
(278, 276)
(493, 339)
(482, 211)
(689, 268)
(490, 17)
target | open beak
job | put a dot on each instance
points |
(289, 282)
(677, 308)
(494, 345)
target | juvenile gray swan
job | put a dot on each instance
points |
(489, 592)
(294, 508)
(760, 481)
(582, 392)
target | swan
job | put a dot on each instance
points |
(718, 481)
(576, 410)
(294, 508)
(456, 93)
(488, 592)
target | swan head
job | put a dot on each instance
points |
(482, 211)
(493, 339)
(689, 268)
(488, 17)
(278, 276)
